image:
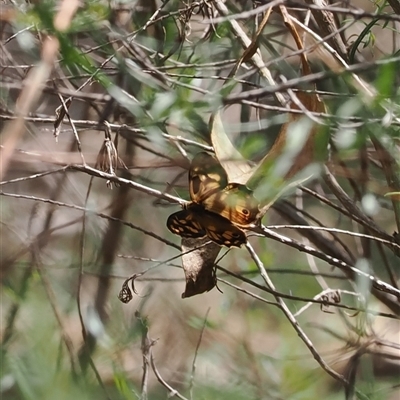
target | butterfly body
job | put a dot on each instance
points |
(218, 210)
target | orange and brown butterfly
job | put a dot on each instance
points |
(219, 210)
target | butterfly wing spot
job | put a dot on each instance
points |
(215, 177)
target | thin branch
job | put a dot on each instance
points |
(346, 268)
(172, 392)
(391, 243)
(322, 303)
(90, 211)
(292, 320)
(191, 383)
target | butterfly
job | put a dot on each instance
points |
(219, 210)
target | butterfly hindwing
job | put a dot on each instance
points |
(196, 222)
(236, 203)
(185, 223)
(221, 231)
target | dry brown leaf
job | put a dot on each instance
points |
(198, 265)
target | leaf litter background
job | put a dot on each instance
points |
(161, 76)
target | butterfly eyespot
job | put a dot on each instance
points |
(245, 211)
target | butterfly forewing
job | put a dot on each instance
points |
(206, 177)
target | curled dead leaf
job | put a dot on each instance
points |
(198, 257)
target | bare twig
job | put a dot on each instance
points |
(191, 383)
(292, 320)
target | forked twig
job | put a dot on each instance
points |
(292, 320)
